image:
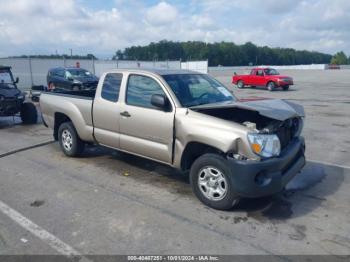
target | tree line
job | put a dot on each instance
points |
(225, 54)
(57, 56)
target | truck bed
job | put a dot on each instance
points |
(76, 105)
(78, 94)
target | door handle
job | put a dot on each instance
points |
(125, 113)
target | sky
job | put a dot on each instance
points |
(102, 27)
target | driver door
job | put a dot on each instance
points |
(144, 129)
(259, 78)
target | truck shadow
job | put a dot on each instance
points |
(9, 121)
(263, 88)
(6, 122)
(307, 191)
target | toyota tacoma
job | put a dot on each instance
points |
(187, 120)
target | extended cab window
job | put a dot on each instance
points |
(140, 90)
(111, 87)
(259, 73)
(59, 72)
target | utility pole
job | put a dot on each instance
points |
(71, 52)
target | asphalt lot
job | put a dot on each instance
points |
(107, 202)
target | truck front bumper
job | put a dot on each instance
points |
(267, 177)
(10, 107)
(285, 83)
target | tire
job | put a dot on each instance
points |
(29, 114)
(285, 88)
(271, 86)
(211, 173)
(70, 142)
(240, 84)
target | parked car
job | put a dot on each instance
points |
(266, 77)
(70, 78)
(12, 100)
(189, 121)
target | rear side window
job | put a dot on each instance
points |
(111, 87)
(59, 72)
(140, 90)
(259, 73)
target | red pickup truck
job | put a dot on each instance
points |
(263, 76)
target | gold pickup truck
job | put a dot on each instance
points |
(189, 121)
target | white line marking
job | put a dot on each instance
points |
(39, 232)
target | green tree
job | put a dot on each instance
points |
(339, 59)
(223, 53)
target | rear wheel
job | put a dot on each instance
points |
(210, 178)
(240, 84)
(69, 140)
(29, 114)
(271, 86)
(285, 88)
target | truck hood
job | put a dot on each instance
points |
(282, 76)
(271, 108)
(9, 92)
(86, 79)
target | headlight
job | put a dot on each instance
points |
(265, 145)
(76, 82)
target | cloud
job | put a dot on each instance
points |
(43, 26)
(162, 13)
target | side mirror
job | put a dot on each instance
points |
(17, 80)
(160, 101)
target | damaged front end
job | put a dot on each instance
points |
(273, 133)
(272, 124)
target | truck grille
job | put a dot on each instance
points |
(9, 106)
(287, 131)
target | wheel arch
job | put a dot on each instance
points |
(193, 150)
(60, 118)
(269, 81)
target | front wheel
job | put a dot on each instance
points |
(211, 182)
(70, 142)
(271, 86)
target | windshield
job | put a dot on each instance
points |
(6, 79)
(78, 72)
(271, 71)
(197, 89)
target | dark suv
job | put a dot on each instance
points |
(71, 78)
(12, 100)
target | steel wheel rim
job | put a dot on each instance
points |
(67, 140)
(240, 84)
(212, 183)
